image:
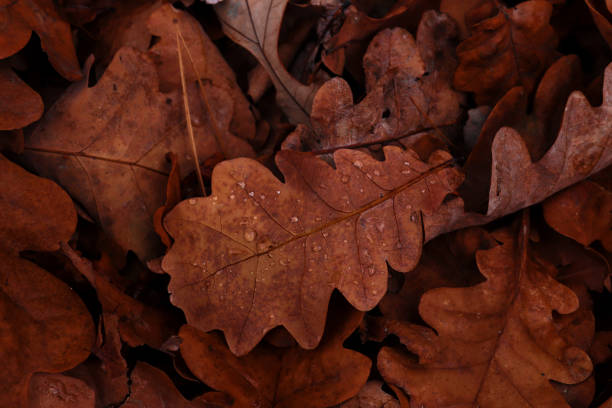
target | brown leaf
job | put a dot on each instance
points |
(202, 62)
(41, 16)
(359, 26)
(19, 104)
(59, 391)
(408, 85)
(371, 395)
(255, 25)
(46, 326)
(538, 128)
(151, 388)
(293, 377)
(601, 19)
(495, 344)
(507, 47)
(281, 248)
(582, 212)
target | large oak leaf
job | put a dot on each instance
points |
(259, 253)
(255, 25)
(495, 343)
(44, 325)
(507, 47)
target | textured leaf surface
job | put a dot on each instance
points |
(34, 305)
(507, 47)
(255, 25)
(496, 344)
(293, 377)
(281, 248)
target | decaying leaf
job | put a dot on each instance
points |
(151, 388)
(408, 85)
(21, 17)
(35, 305)
(371, 396)
(59, 391)
(255, 25)
(495, 343)
(292, 377)
(582, 212)
(539, 128)
(507, 47)
(281, 248)
(19, 104)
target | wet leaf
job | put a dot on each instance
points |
(494, 339)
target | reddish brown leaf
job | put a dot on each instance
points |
(46, 326)
(538, 129)
(408, 85)
(582, 212)
(495, 344)
(255, 25)
(59, 391)
(19, 104)
(507, 47)
(281, 248)
(371, 396)
(151, 388)
(293, 377)
(41, 16)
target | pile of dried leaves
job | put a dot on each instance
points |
(325, 203)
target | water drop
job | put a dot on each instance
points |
(192, 201)
(316, 248)
(261, 247)
(380, 227)
(294, 219)
(262, 197)
(241, 184)
(232, 197)
(376, 173)
(277, 191)
(371, 270)
(406, 164)
(249, 235)
(358, 164)
(405, 172)
(318, 219)
(325, 234)
(252, 194)
(283, 262)
(215, 198)
(345, 179)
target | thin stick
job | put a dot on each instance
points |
(188, 115)
(216, 131)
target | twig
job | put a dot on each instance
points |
(188, 115)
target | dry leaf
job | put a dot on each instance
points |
(19, 104)
(495, 344)
(45, 325)
(507, 47)
(292, 377)
(41, 16)
(281, 248)
(255, 25)
(408, 85)
(583, 212)
(59, 391)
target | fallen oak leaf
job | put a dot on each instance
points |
(507, 47)
(255, 25)
(281, 248)
(282, 378)
(494, 343)
(34, 304)
(408, 86)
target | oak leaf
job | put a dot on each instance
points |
(494, 343)
(291, 377)
(507, 47)
(409, 90)
(35, 305)
(255, 25)
(281, 248)
(107, 145)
